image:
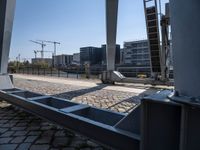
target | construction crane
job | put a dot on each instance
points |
(38, 51)
(55, 43)
(42, 45)
(35, 54)
(18, 58)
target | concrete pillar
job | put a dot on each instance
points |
(7, 8)
(185, 21)
(111, 27)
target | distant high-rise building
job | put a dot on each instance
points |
(91, 55)
(62, 60)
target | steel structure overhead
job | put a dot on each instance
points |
(7, 8)
(152, 27)
(111, 33)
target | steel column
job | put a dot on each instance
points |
(186, 46)
(111, 27)
(7, 8)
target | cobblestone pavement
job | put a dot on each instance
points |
(93, 96)
(22, 131)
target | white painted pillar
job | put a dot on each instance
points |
(7, 9)
(185, 21)
(111, 27)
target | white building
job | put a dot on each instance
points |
(136, 57)
(76, 58)
(62, 60)
(136, 53)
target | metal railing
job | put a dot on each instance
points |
(56, 72)
(74, 73)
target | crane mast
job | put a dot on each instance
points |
(55, 43)
(42, 46)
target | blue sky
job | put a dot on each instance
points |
(75, 23)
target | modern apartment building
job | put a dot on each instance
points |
(136, 57)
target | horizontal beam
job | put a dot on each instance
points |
(97, 124)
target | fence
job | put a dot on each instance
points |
(56, 72)
(72, 73)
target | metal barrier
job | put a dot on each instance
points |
(97, 124)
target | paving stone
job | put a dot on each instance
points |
(44, 140)
(8, 147)
(92, 144)
(39, 147)
(60, 133)
(24, 146)
(46, 127)
(48, 133)
(60, 141)
(3, 130)
(18, 128)
(30, 139)
(86, 148)
(7, 134)
(3, 121)
(21, 124)
(33, 128)
(99, 148)
(8, 125)
(121, 110)
(20, 133)
(34, 133)
(5, 140)
(78, 143)
(19, 139)
(69, 148)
